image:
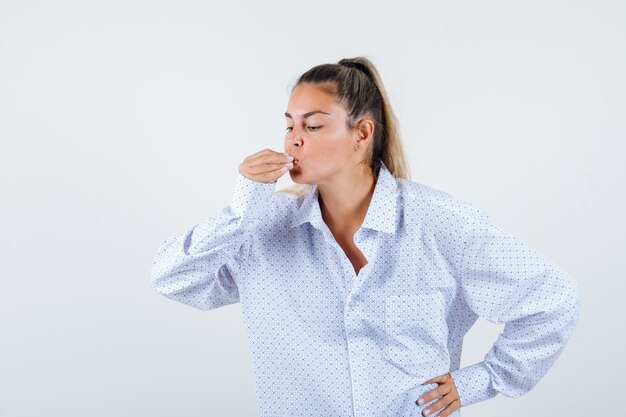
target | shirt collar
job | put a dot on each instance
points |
(381, 213)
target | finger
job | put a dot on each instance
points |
(440, 378)
(436, 392)
(267, 159)
(438, 405)
(451, 408)
(452, 380)
(268, 168)
(453, 387)
(274, 175)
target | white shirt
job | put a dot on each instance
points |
(328, 342)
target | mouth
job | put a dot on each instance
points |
(295, 161)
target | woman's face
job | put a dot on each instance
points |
(317, 135)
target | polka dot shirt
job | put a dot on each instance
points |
(326, 341)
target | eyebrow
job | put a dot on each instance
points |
(305, 115)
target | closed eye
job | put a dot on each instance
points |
(309, 127)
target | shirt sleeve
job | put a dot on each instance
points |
(199, 267)
(504, 280)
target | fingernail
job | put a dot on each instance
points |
(289, 157)
(420, 401)
(289, 165)
(426, 412)
(283, 169)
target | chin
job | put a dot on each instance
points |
(297, 177)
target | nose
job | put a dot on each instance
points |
(294, 139)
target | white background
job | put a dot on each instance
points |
(122, 123)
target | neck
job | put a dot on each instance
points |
(345, 199)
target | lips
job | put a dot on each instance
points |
(295, 161)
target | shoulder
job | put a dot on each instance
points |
(434, 207)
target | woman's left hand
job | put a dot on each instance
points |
(450, 401)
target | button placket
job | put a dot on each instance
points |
(350, 281)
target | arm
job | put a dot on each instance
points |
(506, 281)
(199, 267)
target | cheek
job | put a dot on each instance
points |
(324, 154)
(338, 149)
(335, 145)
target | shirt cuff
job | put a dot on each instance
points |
(251, 199)
(473, 383)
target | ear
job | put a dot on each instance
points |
(365, 132)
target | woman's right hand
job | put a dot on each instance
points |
(265, 166)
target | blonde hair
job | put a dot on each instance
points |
(357, 85)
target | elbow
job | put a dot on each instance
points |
(576, 300)
(158, 279)
(161, 270)
(569, 302)
(161, 278)
(572, 297)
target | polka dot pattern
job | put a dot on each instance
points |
(327, 341)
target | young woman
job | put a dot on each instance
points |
(357, 284)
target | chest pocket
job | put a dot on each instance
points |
(416, 331)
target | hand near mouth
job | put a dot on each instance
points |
(266, 166)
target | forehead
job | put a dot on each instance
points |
(307, 97)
